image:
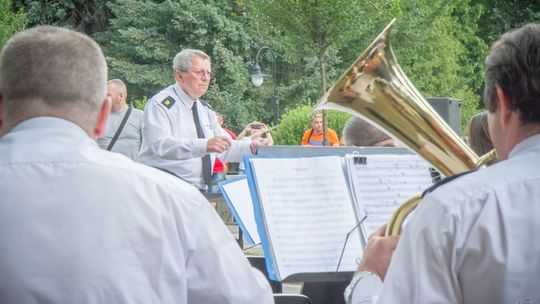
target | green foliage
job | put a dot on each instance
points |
(87, 16)
(499, 16)
(139, 103)
(437, 47)
(296, 121)
(439, 44)
(144, 37)
(11, 21)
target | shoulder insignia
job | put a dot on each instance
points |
(168, 102)
(206, 104)
(446, 180)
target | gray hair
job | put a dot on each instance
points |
(182, 60)
(119, 85)
(358, 132)
(513, 64)
(55, 69)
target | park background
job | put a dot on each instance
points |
(439, 44)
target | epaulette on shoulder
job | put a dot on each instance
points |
(206, 104)
(168, 102)
(446, 180)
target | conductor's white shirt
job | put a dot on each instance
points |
(170, 139)
(474, 239)
(82, 225)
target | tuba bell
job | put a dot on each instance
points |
(375, 88)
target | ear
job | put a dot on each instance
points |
(503, 107)
(178, 76)
(99, 128)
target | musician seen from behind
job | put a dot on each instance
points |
(314, 135)
(123, 128)
(82, 225)
(181, 134)
(473, 239)
(360, 133)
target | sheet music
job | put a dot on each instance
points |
(381, 183)
(308, 213)
(237, 196)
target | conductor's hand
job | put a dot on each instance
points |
(255, 142)
(378, 253)
(218, 144)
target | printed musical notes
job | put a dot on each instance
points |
(384, 182)
(308, 212)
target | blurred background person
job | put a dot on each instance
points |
(257, 130)
(314, 135)
(478, 135)
(220, 169)
(123, 128)
(360, 133)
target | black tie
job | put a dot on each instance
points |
(206, 162)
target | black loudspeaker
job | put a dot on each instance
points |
(449, 110)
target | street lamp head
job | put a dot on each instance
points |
(257, 77)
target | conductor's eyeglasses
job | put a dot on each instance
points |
(201, 73)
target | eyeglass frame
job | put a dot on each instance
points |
(200, 73)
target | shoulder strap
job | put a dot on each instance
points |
(117, 134)
(446, 180)
(309, 137)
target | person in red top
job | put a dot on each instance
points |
(219, 166)
(314, 136)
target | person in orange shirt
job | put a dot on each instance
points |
(314, 136)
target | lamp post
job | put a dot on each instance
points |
(257, 78)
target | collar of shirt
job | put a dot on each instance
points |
(123, 110)
(183, 96)
(526, 144)
(49, 122)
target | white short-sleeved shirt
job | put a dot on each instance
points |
(129, 140)
(82, 225)
(170, 139)
(474, 239)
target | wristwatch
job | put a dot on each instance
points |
(357, 278)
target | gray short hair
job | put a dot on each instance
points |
(58, 68)
(182, 60)
(119, 86)
(358, 132)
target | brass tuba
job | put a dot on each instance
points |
(376, 89)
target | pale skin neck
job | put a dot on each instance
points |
(193, 96)
(506, 128)
(119, 106)
(516, 134)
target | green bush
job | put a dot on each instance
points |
(296, 121)
(139, 103)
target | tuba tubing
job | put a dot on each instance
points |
(375, 88)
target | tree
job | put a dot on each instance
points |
(87, 16)
(500, 16)
(314, 28)
(144, 37)
(436, 42)
(11, 21)
(437, 46)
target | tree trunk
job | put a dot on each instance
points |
(322, 71)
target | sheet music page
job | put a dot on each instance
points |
(382, 182)
(308, 213)
(239, 196)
